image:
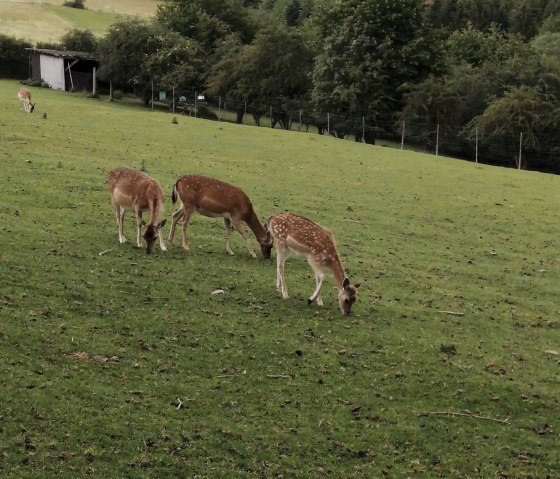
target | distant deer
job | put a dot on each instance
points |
(136, 191)
(24, 96)
(217, 199)
(301, 236)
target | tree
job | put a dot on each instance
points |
(456, 14)
(371, 49)
(273, 71)
(207, 21)
(521, 110)
(79, 40)
(475, 47)
(138, 52)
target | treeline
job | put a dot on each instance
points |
(489, 68)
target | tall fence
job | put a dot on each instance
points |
(509, 149)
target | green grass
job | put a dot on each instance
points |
(49, 21)
(98, 351)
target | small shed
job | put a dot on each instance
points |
(64, 70)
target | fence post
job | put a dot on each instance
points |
(363, 129)
(173, 100)
(94, 87)
(300, 125)
(520, 149)
(195, 99)
(152, 94)
(437, 140)
(219, 108)
(476, 146)
(402, 137)
(245, 112)
(328, 123)
(271, 117)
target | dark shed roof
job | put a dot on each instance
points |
(64, 54)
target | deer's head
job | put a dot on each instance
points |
(152, 234)
(347, 296)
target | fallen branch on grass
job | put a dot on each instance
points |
(453, 313)
(278, 376)
(462, 414)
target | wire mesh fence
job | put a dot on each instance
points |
(507, 150)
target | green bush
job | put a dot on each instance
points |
(14, 60)
(75, 4)
(202, 111)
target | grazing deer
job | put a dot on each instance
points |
(301, 236)
(217, 199)
(24, 96)
(136, 191)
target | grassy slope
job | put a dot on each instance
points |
(422, 234)
(48, 21)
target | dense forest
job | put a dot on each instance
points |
(484, 68)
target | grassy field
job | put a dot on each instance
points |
(48, 21)
(114, 363)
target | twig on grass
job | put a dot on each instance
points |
(279, 376)
(453, 313)
(462, 414)
(101, 253)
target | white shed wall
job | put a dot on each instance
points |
(52, 71)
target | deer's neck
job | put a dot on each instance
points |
(338, 272)
(155, 207)
(256, 227)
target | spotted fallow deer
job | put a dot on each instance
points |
(136, 191)
(295, 234)
(217, 199)
(24, 96)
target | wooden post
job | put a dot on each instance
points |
(402, 137)
(245, 111)
(437, 139)
(476, 146)
(363, 129)
(110, 91)
(300, 125)
(152, 94)
(328, 123)
(271, 117)
(94, 87)
(219, 108)
(520, 149)
(195, 100)
(173, 101)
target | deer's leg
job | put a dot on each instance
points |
(242, 232)
(161, 244)
(281, 256)
(319, 279)
(119, 213)
(138, 228)
(227, 228)
(176, 217)
(187, 212)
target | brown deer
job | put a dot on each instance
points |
(217, 199)
(301, 236)
(24, 96)
(136, 191)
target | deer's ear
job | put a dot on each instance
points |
(162, 223)
(346, 283)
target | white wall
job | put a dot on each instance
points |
(52, 71)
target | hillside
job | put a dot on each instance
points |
(48, 21)
(115, 363)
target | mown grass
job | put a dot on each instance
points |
(126, 365)
(49, 21)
